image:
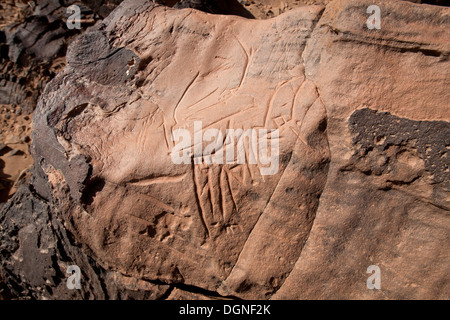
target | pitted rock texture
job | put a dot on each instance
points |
(362, 175)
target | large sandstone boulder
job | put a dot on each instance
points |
(355, 124)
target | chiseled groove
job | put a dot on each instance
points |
(197, 200)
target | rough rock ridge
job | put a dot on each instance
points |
(364, 134)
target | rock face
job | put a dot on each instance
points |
(33, 43)
(354, 172)
(33, 46)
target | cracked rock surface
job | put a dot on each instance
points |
(362, 173)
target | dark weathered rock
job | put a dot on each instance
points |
(36, 250)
